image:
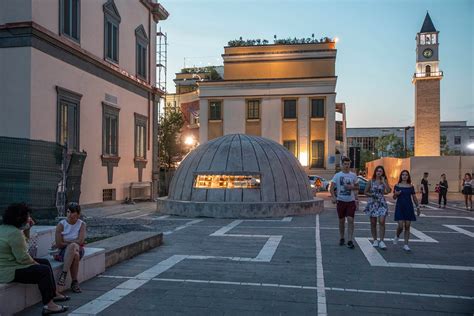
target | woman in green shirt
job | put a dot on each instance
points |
(16, 264)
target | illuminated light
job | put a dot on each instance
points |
(303, 159)
(189, 141)
(226, 181)
(470, 146)
(336, 39)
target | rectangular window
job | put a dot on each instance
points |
(339, 131)
(317, 108)
(253, 109)
(110, 128)
(111, 40)
(289, 111)
(457, 140)
(141, 60)
(290, 145)
(215, 110)
(317, 154)
(140, 136)
(70, 18)
(217, 181)
(108, 195)
(68, 118)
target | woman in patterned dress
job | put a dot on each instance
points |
(377, 207)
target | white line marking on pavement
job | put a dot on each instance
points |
(452, 207)
(431, 207)
(461, 230)
(265, 254)
(162, 217)
(375, 259)
(322, 307)
(169, 232)
(300, 287)
(123, 215)
(447, 216)
(107, 299)
(143, 215)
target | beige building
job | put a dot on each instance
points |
(82, 73)
(284, 92)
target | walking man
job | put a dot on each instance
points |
(344, 188)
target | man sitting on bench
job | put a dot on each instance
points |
(70, 237)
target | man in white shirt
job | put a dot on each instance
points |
(344, 189)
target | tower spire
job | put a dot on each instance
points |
(427, 25)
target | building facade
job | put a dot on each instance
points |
(454, 140)
(286, 93)
(427, 80)
(82, 73)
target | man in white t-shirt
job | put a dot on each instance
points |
(344, 188)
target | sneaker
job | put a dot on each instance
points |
(395, 240)
(406, 248)
(375, 243)
(350, 244)
(382, 245)
(342, 242)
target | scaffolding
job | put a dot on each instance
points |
(161, 59)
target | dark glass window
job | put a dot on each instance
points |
(215, 110)
(68, 118)
(111, 31)
(290, 145)
(140, 136)
(289, 109)
(457, 140)
(253, 109)
(70, 14)
(317, 108)
(317, 154)
(110, 129)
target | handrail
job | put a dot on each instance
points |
(428, 74)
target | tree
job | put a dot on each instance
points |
(390, 146)
(170, 147)
(445, 151)
(366, 156)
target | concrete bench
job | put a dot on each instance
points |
(45, 239)
(15, 297)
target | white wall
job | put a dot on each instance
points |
(271, 128)
(203, 119)
(93, 89)
(303, 129)
(234, 116)
(330, 131)
(15, 80)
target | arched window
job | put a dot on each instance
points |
(428, 70)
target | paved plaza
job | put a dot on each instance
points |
(289, 266)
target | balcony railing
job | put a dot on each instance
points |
(427, 74)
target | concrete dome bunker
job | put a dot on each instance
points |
(240, 176)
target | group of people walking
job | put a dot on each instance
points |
(17, 265)
(344, 191)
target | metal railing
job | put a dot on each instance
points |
(427, 74)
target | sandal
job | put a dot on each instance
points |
(62, 279)
(61, 298)
(47, 311)
(75, 287)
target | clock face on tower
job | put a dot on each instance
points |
(427, 53)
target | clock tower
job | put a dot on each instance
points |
(427, 80)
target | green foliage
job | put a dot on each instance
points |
(366, 156)
(285, 41)
(170, 146)
(445, 151)
(390, 146)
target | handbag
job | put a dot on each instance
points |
(437, 188)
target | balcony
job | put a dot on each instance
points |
(427, 74)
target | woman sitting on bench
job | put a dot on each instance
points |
(70, 237)
(17, 265)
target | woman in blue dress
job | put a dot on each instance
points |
(405, 194)
(377, 207)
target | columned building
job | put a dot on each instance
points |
(82, 73)
(284, 92)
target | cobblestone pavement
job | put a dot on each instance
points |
(289, 266)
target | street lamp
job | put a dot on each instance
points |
(189, 140)
(470, 146)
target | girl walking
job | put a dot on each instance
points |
(377, 207)
(442, 190)
(467, 185)
(404, 193)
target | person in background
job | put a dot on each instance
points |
(16, 265)
(424, 189)
(70, 237)
(405, 194)
(344, 188)
(377, 207)
(442, 190)
(467, 184)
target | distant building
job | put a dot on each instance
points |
(82, 73)
(456, 135)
